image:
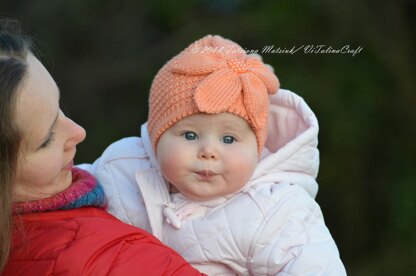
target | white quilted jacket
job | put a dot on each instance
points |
(272, 227)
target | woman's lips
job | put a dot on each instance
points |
(69, 165)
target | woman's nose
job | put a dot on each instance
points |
(76, 134)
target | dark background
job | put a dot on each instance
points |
(104, 54)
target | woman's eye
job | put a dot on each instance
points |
(48, 141)
(228, 139)
(189, 135)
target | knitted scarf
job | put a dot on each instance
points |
(84, 191)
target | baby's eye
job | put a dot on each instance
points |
(228, 139)
(189, 135)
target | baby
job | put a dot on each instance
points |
(224, 171)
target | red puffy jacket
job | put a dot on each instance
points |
(88, 241)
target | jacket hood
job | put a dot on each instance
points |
(290, 153)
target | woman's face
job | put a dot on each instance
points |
(49, 138)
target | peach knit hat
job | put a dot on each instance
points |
(212, 75)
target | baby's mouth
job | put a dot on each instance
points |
(206, 173)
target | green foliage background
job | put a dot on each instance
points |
(104, 53)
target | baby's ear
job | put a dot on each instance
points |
(259, 58)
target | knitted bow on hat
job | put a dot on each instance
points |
(212, 75)
(230, 72)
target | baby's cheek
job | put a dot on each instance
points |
(245, 166)
(170, 164)
(166, 168)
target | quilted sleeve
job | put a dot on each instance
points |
(294, 240)
(147, 256)
(115, 170)
(99, 244)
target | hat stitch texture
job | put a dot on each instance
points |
(212, 75)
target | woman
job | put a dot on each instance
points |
(53, 218)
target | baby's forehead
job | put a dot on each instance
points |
(224, 120)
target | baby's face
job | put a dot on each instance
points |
(206, 156)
